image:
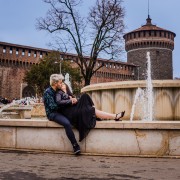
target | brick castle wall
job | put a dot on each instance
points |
(15, 60)
(11, 79)
(161, 63)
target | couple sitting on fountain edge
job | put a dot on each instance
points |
(63, 108)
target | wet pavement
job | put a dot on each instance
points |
(40, 166)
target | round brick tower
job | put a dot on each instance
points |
(159, 42)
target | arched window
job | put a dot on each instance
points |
(4, 49)
(144, 33)
(10, 50)
(155, 33)
(149, 33)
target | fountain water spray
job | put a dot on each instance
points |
(138, 92)
(67, 81)
(149, 89)
(145, 97)
(20, 103)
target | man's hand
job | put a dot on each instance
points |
(74, 100)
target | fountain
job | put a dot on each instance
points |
(136, 135)
(143, 100)
(152, 121)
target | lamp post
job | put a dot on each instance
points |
(60, 61)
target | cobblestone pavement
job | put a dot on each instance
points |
(39, 166)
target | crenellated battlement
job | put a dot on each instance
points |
(16, 59)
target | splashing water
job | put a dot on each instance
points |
(67, 81)
(144, 98)
(137, 95)
(5, 107)
(149, 90)
(20, 103)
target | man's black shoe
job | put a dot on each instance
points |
(76, 149)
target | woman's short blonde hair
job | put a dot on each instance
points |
(54, 78)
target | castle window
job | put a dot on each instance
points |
(35, 54)
(144, 33)
(155, 33)
(149, 33)
(23, 52)
(41, 54)
(17, 51)
(172, 37)
(4, 49)
(29, 53)
(160, 34)
(10, 51)
(20, 63)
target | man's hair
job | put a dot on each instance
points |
(54, 78)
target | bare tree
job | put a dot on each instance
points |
(98, 34)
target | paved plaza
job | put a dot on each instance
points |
(39, 166)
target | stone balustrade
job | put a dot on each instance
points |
(114, 97)
(38, 110)
(152, 139)
(23, 112)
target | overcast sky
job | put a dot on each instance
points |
(18, 19)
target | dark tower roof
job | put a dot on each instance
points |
(149, 26)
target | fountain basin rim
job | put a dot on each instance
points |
(175, 125)
(130, 84)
